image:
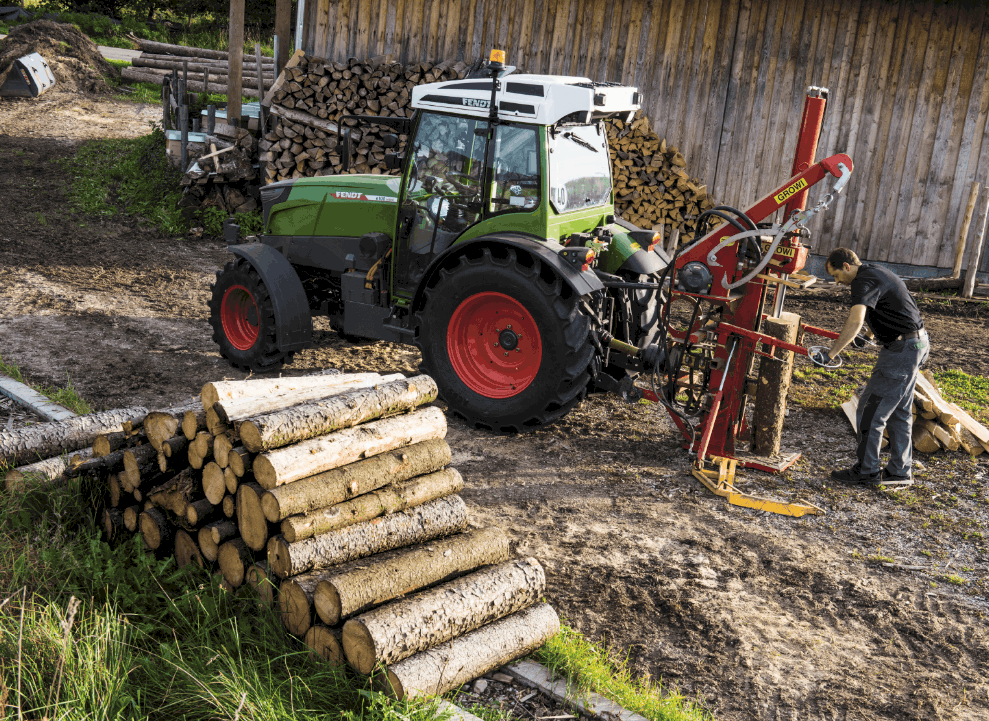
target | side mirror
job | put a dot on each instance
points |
(393, 161)
(389, 140)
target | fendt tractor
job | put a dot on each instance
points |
(498, 253)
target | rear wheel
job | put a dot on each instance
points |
(243, 319)
(505, 341)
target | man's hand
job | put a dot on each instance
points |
(820, 357)
(860, 341)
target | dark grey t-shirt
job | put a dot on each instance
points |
(892, 310)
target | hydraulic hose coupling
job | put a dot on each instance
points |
(615, 344)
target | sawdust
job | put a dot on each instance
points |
(757, 615)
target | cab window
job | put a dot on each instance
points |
(516, 169)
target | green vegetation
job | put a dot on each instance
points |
(821, 388)
(593, 669)
(66, 396)
(970, 393)
(128, 176)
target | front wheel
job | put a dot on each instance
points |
(505, 341)
(243, 319)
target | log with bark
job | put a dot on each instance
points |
(355, 479)
(264, 583)
(186, 551)
(192, 422)
(295, 602)
(161, 425)
(153, 46)
(450, 665)
(390, 499)
(157, 531)
(42, 473)
(131, 514)
(384, 635)
(139, 462)
(325, 643)
(239, 461)
(175, 493)
(46, 440)
(147, 75)
(113, 524)
(255, 388)
(212, 535)
(344, 591)
(320, 417)
(214, 484)
(435, 519)
(234, 558)
(284, 465)
(254, 527)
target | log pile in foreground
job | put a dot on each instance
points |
(937, 424)
(336, 502)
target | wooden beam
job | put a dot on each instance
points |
(963, 236)
(283, 30)
(978, 249)
(236, 58)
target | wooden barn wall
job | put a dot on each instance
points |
(724, 80)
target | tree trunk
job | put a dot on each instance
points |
(214, 484)
(251, 522)
(161, 425)
(198, 512)
(930, 285)
(137, 461)
(325, 643)
(146, 75)
(230, 480)
(171, 447)
(96, 465)
(151, 46)
(219, 71)
(158, 533)
(256, 388)
(317, 418)
(239, 460)
(45, 440)
(453, 664)
(234, 558)
(264, 582)
(131, 514)
(212, 535)
(186, 551)
(384, 635)
(192, 422)
(222, 446)
(773, 385)
(240, 409)
(295, 601)
(417, 525)
(229, 505)
(361, 585)
(278, 467)
(355, 479)
(390, 499)
(43, 473)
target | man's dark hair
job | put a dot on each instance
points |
(840, 256)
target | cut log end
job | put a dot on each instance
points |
(325, 644)
(295, 607)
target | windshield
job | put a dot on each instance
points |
(579, 168)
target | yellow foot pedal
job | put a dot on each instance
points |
(720, 481)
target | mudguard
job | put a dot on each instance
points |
(644, 262)
(547, 251)
(293, 320)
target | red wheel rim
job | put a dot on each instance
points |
(239, 315)
(494, 345)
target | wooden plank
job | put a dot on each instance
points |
(747, 185)
(558, 44)
(620, 19)
(505, 12)
(643, 48)
(722, 183)
(319, 35)
(434, 15)
(651, 59)
(706, 160)
(451, 31)
(594, 49)
(415, 31)
(971, 425)
(359, 32)
(392, 18)
(376, 45)
(681, 79)
(31, 399)
(850, 407)
(341, 47)
(694, 140)
(635, 9)
(475, 27)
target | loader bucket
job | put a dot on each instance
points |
(27, 77)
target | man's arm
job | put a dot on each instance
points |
(856, 317)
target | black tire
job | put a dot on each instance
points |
(239, 279)
(558, 379)
(646, 310)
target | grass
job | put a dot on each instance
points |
(66, 396)
(593, 669)
(969, 392)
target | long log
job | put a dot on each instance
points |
(43, 473)
(161, 425)
(250, 61)
(435, 519)
(384, 635)
(284, 465)
(453, 664)
(390, 499)
(253, 526)
(256, 388)
(312, 121)
(240, 409)
(320, 417)
(217, 70)
(212, 535)
(346, 591)
(194, 86)
(152, 46)
(347, 482)
(295, 602)
(325, 643)
(45, 440)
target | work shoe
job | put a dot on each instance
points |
(888, 480)
(854, 476)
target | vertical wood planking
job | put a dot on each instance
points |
(706, 160)
(632, 31)
(594, 49)
(732, 115)
(322, 38)
(558, 43)
(381, 29)
(451, 40)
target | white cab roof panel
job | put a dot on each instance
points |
(536, 99)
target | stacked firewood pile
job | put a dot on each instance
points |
(312, 95)
(223, 175)
(332, 496)
(937, 424)
(652, 185)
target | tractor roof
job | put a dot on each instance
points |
(536, 99)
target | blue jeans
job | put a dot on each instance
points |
(886, 404)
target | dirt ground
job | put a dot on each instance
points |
(848, 615)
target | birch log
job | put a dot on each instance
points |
(45, 440)
(345, 591)
(317, 418)
(43, 472)
(240, 409)
(390, 499)
(342, 484)
(423, 523)
(257, 388)
(284, 465)
(295, 602)
(453, 664)
(384, 635)
(325, 643)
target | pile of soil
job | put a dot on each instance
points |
(74, 59)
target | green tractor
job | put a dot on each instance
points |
(496, 251)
